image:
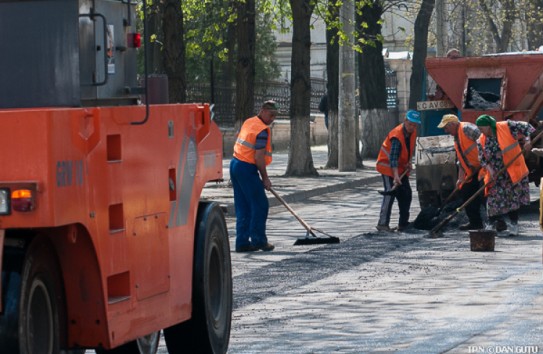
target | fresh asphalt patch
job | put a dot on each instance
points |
(317, 263)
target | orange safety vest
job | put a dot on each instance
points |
(245, 146)
(510, 149)
(467, 148)
(383, 160)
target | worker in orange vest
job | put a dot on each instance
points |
(393, 160)
(465, 143)
(499, 147)
(252, 153)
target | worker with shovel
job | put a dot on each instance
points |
(394, 164)
(252, 153)
(499, 147)
(465, 143)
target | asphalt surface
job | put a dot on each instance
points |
(379, 292)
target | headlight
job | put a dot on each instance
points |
(5, 208)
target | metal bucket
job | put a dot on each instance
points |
(482, 240)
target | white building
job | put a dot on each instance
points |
(396, 29)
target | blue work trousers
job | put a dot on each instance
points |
(404, 196)
(251, 204)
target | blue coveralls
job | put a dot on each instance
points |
(251, 204)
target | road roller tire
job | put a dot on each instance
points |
(208, 331)
(41, 309)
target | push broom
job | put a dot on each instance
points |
(310, 237)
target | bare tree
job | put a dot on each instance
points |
(300, 161)
(503, 36)
(422, 24)
(534, 25)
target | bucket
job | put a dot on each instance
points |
(482, 240)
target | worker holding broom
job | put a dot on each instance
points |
(252, 153)
(499, 147)
(394, 165)
(468, 183)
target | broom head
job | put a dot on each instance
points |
(316, 240)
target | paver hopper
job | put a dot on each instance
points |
(505, 86)
(508, 85)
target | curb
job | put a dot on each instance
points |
(302, 195)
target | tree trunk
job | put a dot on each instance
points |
(300, 161)
(155, 60)
(245, 68)
(374, 118)
(332, 87)
(420, 50)
(174, 50)
(375, 124)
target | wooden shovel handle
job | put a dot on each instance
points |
(480, 190)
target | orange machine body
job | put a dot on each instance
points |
(118, 201)
(515, 79)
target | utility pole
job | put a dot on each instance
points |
(346, 107)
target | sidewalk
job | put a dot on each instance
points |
(294, 189)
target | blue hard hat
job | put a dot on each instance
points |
(413, 116)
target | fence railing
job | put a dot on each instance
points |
(224, 97)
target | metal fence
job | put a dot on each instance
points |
(224, 97)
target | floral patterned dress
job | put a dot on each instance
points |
(503, 195)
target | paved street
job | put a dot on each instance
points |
(384, 292)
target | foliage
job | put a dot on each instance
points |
(206, 29)
(206, 26)
(266, 66)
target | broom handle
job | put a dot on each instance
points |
(304, 224)
(480, 190)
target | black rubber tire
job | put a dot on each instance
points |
(41, 305)
(144, 345)
(208, 331)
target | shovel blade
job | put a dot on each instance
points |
(389, 192)
(435, 234)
